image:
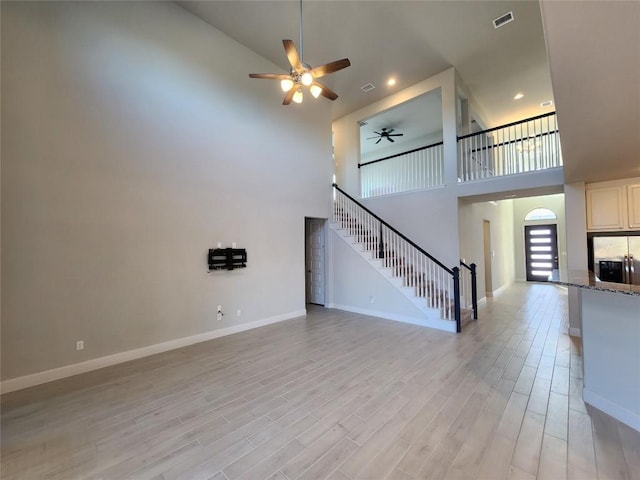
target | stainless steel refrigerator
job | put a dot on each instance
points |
(617, 258)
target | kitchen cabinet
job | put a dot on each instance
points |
(633, 203)
(613, 206)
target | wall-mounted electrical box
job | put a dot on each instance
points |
(227, 258)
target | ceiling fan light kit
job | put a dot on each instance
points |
(302, 74)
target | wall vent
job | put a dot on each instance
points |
(503, 20)
(546, 104)
(367, 87)
(362, 123)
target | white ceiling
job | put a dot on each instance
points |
(409, 40)
(593, 49)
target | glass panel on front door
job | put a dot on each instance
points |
(541, 250)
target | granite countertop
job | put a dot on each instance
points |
(588, 280)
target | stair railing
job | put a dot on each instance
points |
(469, 286)
(430, 278)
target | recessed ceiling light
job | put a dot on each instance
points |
(518, 96)
(391, 82)
(546, 104)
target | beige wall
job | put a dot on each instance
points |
(500, 215)
(133, 141)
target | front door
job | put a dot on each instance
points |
(541, 250)
(314, 259)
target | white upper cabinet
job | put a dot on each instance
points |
(633, 204)
(613, 205)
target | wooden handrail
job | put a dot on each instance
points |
(537, 117)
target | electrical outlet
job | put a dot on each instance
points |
(80, 345)
(239, 313)
(372, 299)
(219, 314)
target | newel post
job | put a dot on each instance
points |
(474, 291)
(456, 297)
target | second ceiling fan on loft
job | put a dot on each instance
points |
(302, 74)
(386, 133)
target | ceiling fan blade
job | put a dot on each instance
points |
(390, 130)
(378, 140)
(391, 139)
(323, 70)
(271, 76)
(397, 135)
(378, 133)
(293, 55)
(326, 92)
(371, 138)
(288, 96)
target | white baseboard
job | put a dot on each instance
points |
(575, 332)
(34, 379)
(627, 417)
(501, 289)
(446, 325)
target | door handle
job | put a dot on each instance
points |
(626, 269)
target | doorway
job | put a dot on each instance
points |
(315, 260)
(488, 254)
(541, 251)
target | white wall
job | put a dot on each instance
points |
(522, 206)
(356, 283)
(133, 141)
(500, 216)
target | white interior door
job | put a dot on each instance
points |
(315, 260)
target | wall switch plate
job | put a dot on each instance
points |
(234, 244)
(219, 245)
(80, 345)
(219, 309)
(239, 312)
(372, 299)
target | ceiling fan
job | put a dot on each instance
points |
(301, 74)
(386, 133)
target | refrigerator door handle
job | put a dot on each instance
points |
(626, 269)
(632, 270)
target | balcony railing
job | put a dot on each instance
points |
(413, 170)
(526, 146)
(520, 147)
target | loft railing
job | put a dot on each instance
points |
(430, 278)
(403, 172)
(519, 147)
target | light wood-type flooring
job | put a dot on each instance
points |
(334, 395)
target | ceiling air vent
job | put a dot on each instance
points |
(362, 123)
(546, 104)
(503, 20)
(367, 87)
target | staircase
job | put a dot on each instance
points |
(432, 287)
